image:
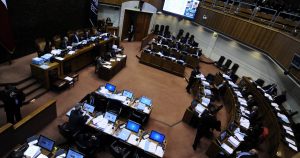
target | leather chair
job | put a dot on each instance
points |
(234, 68)
(120, 149)
(227, 64)
(142, 154)
(210, 78)
(57, 41)
(100, 102)
(138, 117)
(114, 106)
(40, 45)
(220, 62)
(161, 30)
(88, 143)
(156, 29)
(66, 132)
(56, 82)
(260, 82)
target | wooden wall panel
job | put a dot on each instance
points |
(156, 3)
(279, 46)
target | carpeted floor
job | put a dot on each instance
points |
(167, 91)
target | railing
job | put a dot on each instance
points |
(283, 21)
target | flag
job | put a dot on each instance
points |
(6, 33)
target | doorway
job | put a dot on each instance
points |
(140, 22)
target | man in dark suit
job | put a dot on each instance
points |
(64, 43)
(280, 98)
(75, 38)
(13, 100)
(192, 78)
(207, 124)
(76, 119)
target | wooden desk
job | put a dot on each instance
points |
(163, 64)
(42, 74)
(117, 66)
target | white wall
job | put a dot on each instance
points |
(252, 62)
(112, 12)
(132, 5)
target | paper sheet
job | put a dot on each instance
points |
(133, 139)
(227, 148)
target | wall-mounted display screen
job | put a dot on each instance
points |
(185, 8)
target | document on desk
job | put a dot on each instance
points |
(207, 91)
(68, 78)
(289, 132)
(199, 108)
(107, 66)
(59, 58)
(146, 110)
(239, 136)
(32, 151)
(283, 117)
(109, 129)
(44, 66)
(102, 124)
(112, 60)
(293, 147)
(118, 97)
(97, 119)
(205, 101)
(71, 52)
(150, 146)
(227, 148)
(159, 151)
(133, 139)
(226, 77)
(205, 83)
(287, 128)
(42, 156)
(234, 141)
(238, 93)
(290, 141)
(118, 59)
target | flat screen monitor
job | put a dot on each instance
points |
(296, 61)
(110, 117)
(146, 101)
(74, 154)
(133, 126)
(156, 136)
(222, 136)
(185, 8)
(110, 87)
(127, 94)
(46, 143)
(89, 108)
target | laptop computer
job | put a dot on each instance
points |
(127, 94)
(146, 101)
(74, 154)
(131, 126)
(156, 136)
(89, 108)
(47, 144)
(110, 87)
(111, 117)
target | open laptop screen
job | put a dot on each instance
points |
(46, 143)
(146, 101)
(88, 107)
(133, 126)
(74, 154)
(156, 136)
(127, 94)
(110, 117)
(110, 87)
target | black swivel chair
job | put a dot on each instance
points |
(142, 154)
(161, 30)
(227, 64)
(88, 143)
(139, 117)
(210, 78)
(120, 149)
(67, 133)
(100, 103)
(260, 82)
(234, 68)
(220, 62)
(114, 106)
(156, 29)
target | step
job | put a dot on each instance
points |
(36, 94)
(32, 88)
(26, 83)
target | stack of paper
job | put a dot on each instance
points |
(102, 124)
(293, 147)
(68, 78)
(109, 129)
(226, 77)
(234, 141)
(227, 148)
(71, 52)
(283, 117)
(133, 139)
(199, 108)
(244, 122)
(44, 66)
(159, 151)
(32, 151)
(207, 92)
(59, 58)
(290, 141)
(107, 66)
(118, 97)
(42, 156)
(205, 83)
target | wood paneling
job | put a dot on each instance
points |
(279, 46)
(156, 3)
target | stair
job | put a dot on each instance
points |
(31, 88)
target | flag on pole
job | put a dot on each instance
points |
(6, 33)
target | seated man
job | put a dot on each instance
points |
(280, 98)
(76, 119)
(75, 38)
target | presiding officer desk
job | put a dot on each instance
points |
(138, 140)
(164, 63)
(72, 59)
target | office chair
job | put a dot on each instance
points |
(120, 149)
(180, 34)
(161, 30)
(156, 29)
(210, 78)
(142, 154)
(234, 68)
(260, 82)
(100, 102)
(220, 62)
(57, 41)
(55, 81)
(234, 78)
(88, 143)
(138, 117)
(156, 47)
(114, 106)
(67, 133)
(40, 45)
(227, 64)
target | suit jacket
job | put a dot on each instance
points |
(76, 120)
(12, 99)
(75, 39)
(64, 44)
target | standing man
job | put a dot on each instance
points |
(13, 100)
(192, 78)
